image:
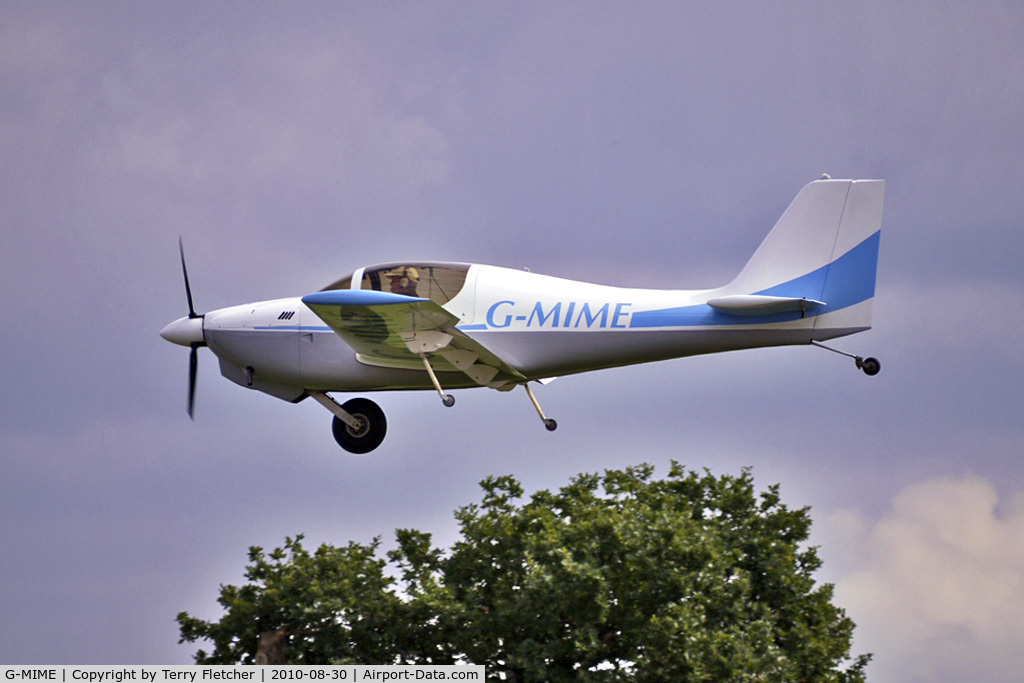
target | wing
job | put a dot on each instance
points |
(394, 330)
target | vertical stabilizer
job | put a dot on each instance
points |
(823, 248)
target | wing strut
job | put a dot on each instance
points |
(550, 424)
(447, 399)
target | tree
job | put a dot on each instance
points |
(616, 577)
(329, 606)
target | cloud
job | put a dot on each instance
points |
(937, 585)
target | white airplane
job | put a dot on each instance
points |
(434, 325)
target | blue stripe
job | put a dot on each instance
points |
(847, 281)
(357, 297)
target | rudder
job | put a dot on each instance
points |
(849, 286)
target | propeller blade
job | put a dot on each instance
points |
(193, 369)
(184, 271)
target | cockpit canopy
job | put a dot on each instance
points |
(439, 282)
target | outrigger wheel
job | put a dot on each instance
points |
(372, 426)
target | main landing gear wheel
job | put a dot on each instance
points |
(370, 432)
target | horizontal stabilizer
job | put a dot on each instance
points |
(759, 304)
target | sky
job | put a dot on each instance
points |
(648, 145)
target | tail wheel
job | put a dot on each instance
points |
(870, 366)
(370, 432)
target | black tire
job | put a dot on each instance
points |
(375, 426)
(870, 366)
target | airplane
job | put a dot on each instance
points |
(429, 325)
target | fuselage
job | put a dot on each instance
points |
(542, 326)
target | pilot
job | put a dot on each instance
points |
(404, 280)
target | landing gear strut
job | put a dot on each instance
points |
(447, 399)
(549, 424)
(359, 424)
(870, 366)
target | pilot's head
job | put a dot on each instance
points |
(404, 280)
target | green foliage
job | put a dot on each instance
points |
(620, 577)
(332, 603)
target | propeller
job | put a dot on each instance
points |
(188, 331)
(193, 356)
